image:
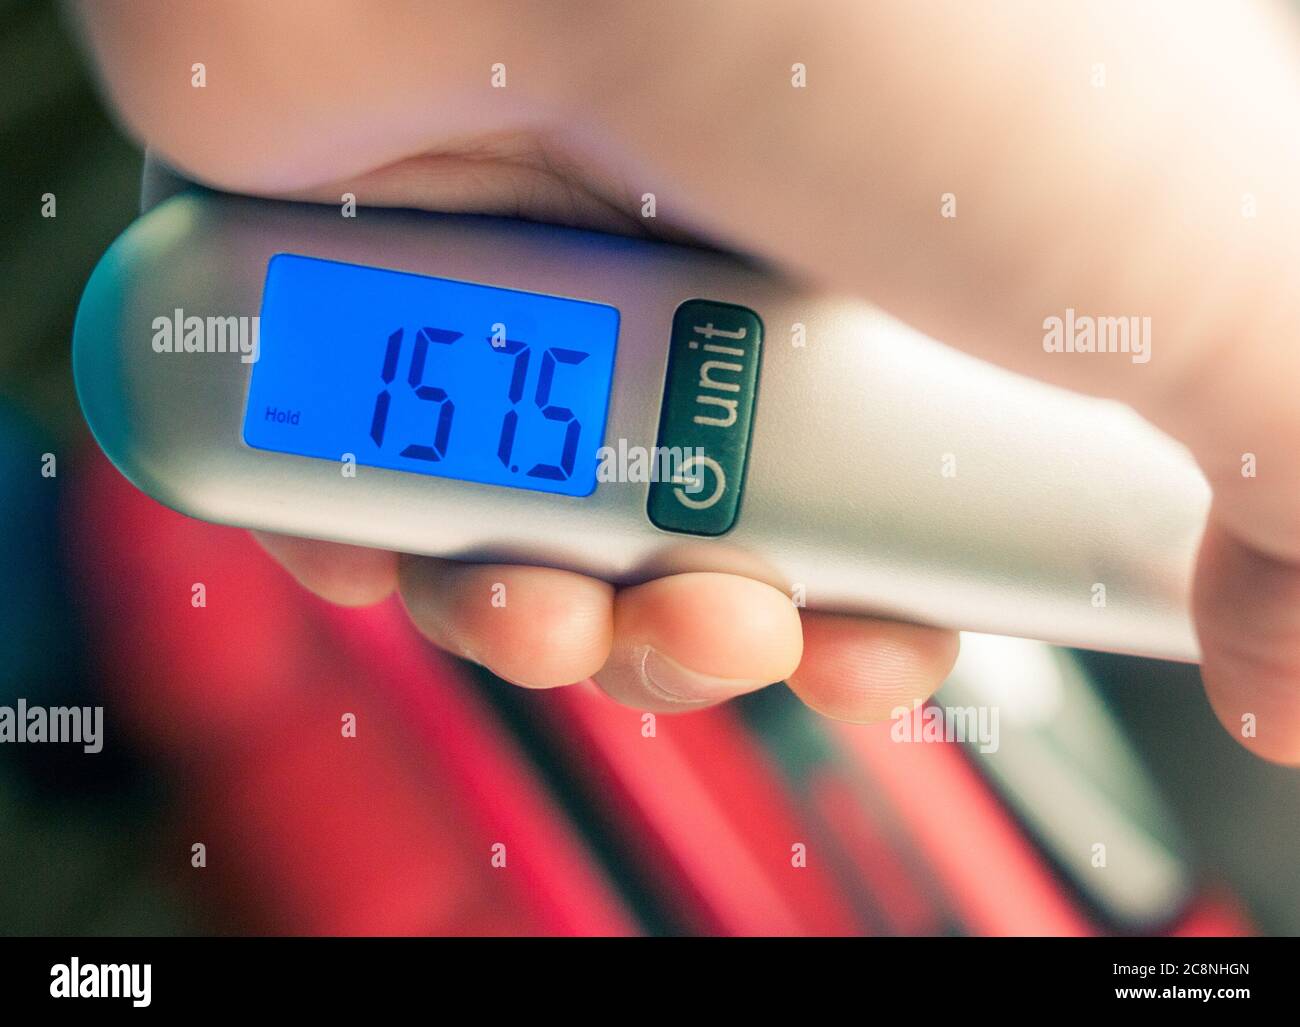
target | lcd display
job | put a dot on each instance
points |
(431, 376)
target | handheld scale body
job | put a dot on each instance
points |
(492, 390)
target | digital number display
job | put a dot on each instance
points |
(432, 376)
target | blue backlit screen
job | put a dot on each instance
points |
(431, 376)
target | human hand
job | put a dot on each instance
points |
(1093, 161)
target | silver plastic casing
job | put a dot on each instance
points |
(887, 474)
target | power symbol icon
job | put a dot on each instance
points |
(687, 475)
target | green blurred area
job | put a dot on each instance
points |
(71, 858)
(56, 139)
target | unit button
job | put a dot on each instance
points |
(708, 410)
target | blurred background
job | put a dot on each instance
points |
(221, 724)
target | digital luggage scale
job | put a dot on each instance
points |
(484, 389)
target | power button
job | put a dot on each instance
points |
(707, 416)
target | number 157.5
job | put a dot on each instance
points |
(436, 449)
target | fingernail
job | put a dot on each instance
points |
(670, 681)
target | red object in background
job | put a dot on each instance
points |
(394, 831)
(306, 831)
(707, 813)
(996, 881)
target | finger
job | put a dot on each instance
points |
(424, 79)
(533, 626)
(691, 640)
(347, 575)
(1251, 638)
(861, 670)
